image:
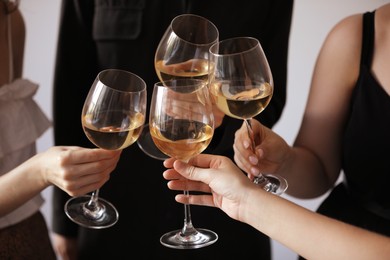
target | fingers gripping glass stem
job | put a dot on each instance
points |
(181, 124)
(270, 183)
(242, 87)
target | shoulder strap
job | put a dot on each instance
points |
(368, 38)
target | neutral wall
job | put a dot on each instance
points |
(312, 20)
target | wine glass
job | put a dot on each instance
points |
(183, 52)
(242, 87)
(181, 124)
(113, 116)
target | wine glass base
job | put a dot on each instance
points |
(202, 238)
(146, 144)
(272, 183)
(75, 210)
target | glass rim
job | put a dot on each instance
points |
(212, 25)
(255, 43)
(139, 81)
(191, 81)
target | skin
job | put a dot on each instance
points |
(225, 187)
(75, 170)
(313, 163)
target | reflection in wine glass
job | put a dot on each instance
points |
(242, 87)
(183, 52)
(112, 118)
(182, 125)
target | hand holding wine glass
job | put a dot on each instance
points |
(113, 116)
(182, 125)
(242, 87)
(183, 52)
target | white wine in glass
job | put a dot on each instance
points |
(242, 87)
(113, 116)
(182, 125)
(183, 52)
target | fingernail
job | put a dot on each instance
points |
(253, 160)
(255, 171)
(246, 144)
(259, 153)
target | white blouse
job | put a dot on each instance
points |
(22, 122)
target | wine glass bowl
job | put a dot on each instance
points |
(183, 52)
(242, 87)
(238, 100)
(112, 118)
(116, 123)
(148, 146)
(181, 124)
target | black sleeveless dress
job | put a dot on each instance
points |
(364, 198)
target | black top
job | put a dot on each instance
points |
(364, 199)
(99, 34)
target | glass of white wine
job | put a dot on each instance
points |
(181, 124)
(113, 116)
(183, 52)
(242, 87)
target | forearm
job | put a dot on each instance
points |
(20, 185)
(311, 235)
(305, 174)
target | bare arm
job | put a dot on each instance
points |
(310, 234)
(312, 164)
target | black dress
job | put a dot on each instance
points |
(364, 199)
(95, 35)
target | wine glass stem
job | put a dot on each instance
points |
(250, 133)
(188, 229)
(93, 209)
(94, 197)
(260, 178)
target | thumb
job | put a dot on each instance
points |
(191, 172)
